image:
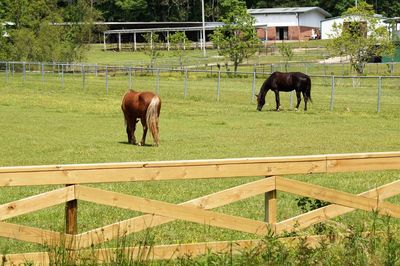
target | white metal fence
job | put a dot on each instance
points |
(340, 92)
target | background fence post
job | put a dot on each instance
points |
(7, 70)
(42, 72)
(24, 70)
(158, 82)
(332, 92)
(62, 76)
(107, 79)
(253, 86)
(185, 88)
(130, 77)
(379, 93)
(71, 217)
(83, 77)
(219, 85)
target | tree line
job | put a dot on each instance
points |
(54, 30)
(190, 10)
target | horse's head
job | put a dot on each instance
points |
(260, 102)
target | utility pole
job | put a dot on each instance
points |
(204, 28)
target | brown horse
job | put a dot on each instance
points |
(145, 106)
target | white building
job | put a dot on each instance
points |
(291, 23)
(327, 24)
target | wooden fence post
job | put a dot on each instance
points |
(71, 217)
(270, 206)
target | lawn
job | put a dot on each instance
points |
(50, 123)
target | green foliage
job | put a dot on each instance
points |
(237, 38)
(360, 37)
(307, 204)
(38, 36)
(286, 50)
(179, 44)
(152, 47)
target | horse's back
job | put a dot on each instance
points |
(136, 102)
(288, 81)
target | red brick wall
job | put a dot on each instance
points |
(271, 33)
(294, 33)
(262, 34)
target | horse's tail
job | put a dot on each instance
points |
(152, 118)
(123, 109)
(308, 89)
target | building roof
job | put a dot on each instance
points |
(288, 10)
(377, 16)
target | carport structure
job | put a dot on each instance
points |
(166, 31)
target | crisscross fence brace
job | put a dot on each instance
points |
(197, 210)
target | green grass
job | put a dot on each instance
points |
(46, 123)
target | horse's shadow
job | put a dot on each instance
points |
(127, 143)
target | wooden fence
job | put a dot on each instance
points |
(197, 210)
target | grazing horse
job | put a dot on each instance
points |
(145, 106)
(279, 81)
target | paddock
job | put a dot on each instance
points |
(270, 184)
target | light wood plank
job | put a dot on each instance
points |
(34, 235)
(188, 213)
(213, 170)
(166, 252)
(37, 258)
(36, 202)
(271, 207)
(156, 164)
(331, 211)
(140, 223)
(126, 172)
(338, 197)
(362, 164)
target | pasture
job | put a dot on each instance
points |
(53, 123)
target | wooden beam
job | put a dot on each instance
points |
(337, 197)
(71, 215)
(187, 213)
(331, 211)
(34, 235)
(271, 207)
(163, 252)
(37, 258)
(168, 170)
(140, 223)
(37, 202)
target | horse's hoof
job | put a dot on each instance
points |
(296, 109)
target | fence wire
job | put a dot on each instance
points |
(330, 92)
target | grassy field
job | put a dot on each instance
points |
(47, 123)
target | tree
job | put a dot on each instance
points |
(286, 50)
(360, 37)
(152, 47)
(237, 38)
(179, 43)
(39, 35)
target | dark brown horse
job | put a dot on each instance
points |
(145, 106)
(279, 81)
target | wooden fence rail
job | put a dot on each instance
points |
(197, 210)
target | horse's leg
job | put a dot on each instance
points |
(298, 94)
(143, 121)
(305, 100)
(278, 103)
(131, 134)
